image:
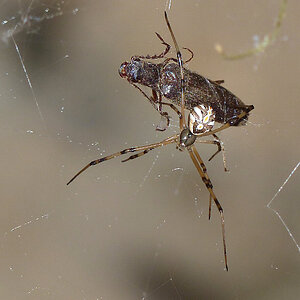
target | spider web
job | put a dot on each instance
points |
(140, 230)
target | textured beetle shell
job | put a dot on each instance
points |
(165, 79)
(200, 90)
(141, 72)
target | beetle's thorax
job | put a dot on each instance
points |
(141, 72)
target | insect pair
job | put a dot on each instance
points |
(207, 101)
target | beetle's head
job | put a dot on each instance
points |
(132, 70)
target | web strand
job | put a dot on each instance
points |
(28, 80)
(277, 213)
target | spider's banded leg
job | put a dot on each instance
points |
(211, 143)
(217, 142)
(204, 177)
(198, 162)
(209, 207)
(220, 148)
(180, 63)
(137, 155)
(165, 119)
(248, 108)
(146, 151)
(169, 140)
(156, 56)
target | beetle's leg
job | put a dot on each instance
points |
(165, 119)
(219, 81)
(192, 55)
(154, 101)
(156, 56)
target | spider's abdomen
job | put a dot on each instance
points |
(201, 119)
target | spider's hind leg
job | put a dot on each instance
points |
(199, 164)
(217, 141)
(221, 148)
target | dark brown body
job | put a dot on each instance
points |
(164, 79)
(199, 90)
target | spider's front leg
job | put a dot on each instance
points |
(145, 149)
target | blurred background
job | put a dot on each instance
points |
(140, 230)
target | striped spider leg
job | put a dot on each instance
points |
(145, 149)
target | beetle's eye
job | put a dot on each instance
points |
(122, 69)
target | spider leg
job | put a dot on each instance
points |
(217, 142)
(220, 145)
(209, 207)
(203, 173)
(137, 155)
(156, 56)
(180, 63)
(220, 148)
(212, 143)
(199, 164)
(156, 101)
(146, 151)
(167, 141)
(231, 122)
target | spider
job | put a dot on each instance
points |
(200, 123)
